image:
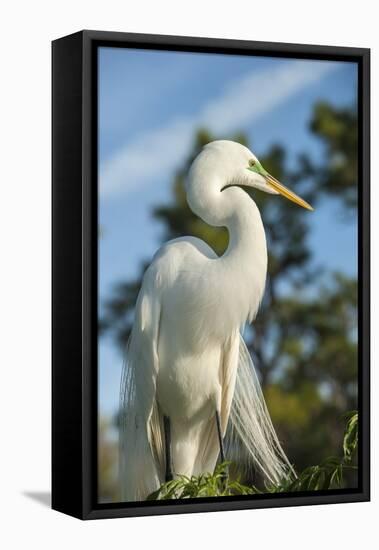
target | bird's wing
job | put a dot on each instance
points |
(141, 442)
(142, 456)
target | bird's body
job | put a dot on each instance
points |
(186, 358)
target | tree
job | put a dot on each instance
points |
(337, 175)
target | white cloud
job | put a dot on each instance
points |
(243, 101)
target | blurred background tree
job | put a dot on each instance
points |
(304, 339)
(107, 464)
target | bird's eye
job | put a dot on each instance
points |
(251, 162)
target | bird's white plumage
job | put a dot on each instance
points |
(186, 357)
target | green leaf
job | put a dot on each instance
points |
(350, 440)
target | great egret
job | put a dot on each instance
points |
(187, 372)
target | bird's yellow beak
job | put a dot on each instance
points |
(280, 188)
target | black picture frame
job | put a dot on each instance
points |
(74, 272)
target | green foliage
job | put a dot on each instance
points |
(329, 474)
(350, 440)
(205, 485)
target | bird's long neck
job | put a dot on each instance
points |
(247, 240)
(244, 263)
(241, 272)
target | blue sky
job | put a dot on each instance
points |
(151, 102)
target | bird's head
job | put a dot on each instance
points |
(234, 164)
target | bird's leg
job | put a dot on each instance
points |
(222, 451)
(167, 438)
(220, 439)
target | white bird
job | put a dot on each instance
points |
(188, 373)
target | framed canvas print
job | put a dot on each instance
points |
(210, 275)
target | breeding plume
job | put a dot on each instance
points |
(188, 375)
